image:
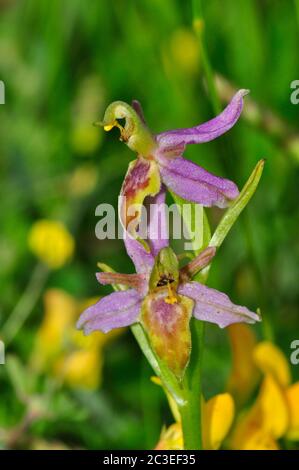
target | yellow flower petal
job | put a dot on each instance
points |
(51, 242)
(273, 407)
(292, 396)
(250, 432)
(244, 375)
(270, 360)
(259, 440)
(218, 415)
(266, 421)
(185, 50)
(60, 316)
(171, 438)
(81, 369)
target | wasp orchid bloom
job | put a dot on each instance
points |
(162, 297)
(160, 159)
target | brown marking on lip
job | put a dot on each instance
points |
(137, 179)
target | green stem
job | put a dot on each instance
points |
(26, 303)
(191, 409)
(198, 25)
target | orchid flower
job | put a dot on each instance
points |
(160, 159)
(162, 298)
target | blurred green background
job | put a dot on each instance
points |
(63, 62)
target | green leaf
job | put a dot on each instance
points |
(190, 220)
(20, 378)
(237, 206)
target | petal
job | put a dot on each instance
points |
(218, 414)
(215, 307)
(204, 258)
(292, 396)
(113, 311)
(171, 438)
(193, 183)
(272, 397)
(167, 326)
(157, 223)
(142, 179)
(270, 360)
(138, 282)
(244, 373)
(266, 421)
(157, 234)
(210, 130)
(138, 109)
(142, 259)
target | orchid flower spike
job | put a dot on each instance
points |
(163, 298)
(160, 160)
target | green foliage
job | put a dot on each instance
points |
(62, 63)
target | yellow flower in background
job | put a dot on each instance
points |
(244, 374)
(85, 138)
(265, 422)
(218, 414)
(184, 50)
(292, 396)
(217, 418)
(59, 314)
(61, 350)
(171, 438)
(275, 412)
(270, 360)
(81, 368)
(51, 242)
(83, 180)
(273, 415)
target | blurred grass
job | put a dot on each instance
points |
(62, 63)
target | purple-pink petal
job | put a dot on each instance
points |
(157, 230)
(191, 182)
(142, 259)
(116, 310)
(207, 131)
(215, 307)
(136, 105)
